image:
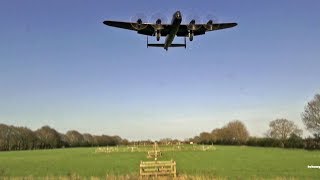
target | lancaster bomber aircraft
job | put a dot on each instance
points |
(170, 30)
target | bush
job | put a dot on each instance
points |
(312, 143)
(264, 142)
(294, 141)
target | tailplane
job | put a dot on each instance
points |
(162, 45)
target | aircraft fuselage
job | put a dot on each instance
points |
(175, 24)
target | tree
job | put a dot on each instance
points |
(75, 138)
(125, 142)
(13, 138)
(218, 135)
(311, 115)
(28, 139)
(23, 138)
(282, 129)
(215, 135)
(4, 137)
(165, 141)
(205, 138)
(116, 140)
(48, 138)
(88, 139)
(294, 141)
(236, 132)
(64, 140)
(195, 139)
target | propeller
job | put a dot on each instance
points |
(157, 19)
(138, 21)
(193, 21)
(211, 22)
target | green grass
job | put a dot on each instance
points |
(226, 161)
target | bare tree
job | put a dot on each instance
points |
(282, 129)
(75, 138)
(64, 140)
(28, 138)
(116, 139)
(13, 138)
(4, 137)
(48, 138)
(205, 138)
(165, 141)
(236, 132)
(22, 138)
(217, 135)
(311, 115)
(88, 139)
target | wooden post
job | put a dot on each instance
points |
(174, 169)
(141, 171)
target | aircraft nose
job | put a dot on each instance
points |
(178, 14)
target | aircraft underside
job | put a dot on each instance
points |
(170, 31)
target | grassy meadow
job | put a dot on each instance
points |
(240, 162)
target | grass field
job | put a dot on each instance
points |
(223, 161)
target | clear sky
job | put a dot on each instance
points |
(60, 66)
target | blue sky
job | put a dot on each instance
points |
(60, 66)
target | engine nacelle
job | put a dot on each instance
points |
(192, 28)
(209, 25)
(157, 29)
(139, 22)
(192, 25)
(191, 34)
(158, 22)
(158, 34)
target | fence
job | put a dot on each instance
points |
(158, 168)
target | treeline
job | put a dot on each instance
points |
(282, 133)
(234, 133)
(22, 138)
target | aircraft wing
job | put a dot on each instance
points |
(119, 24)
(148, 29)
(143, 28)
(203, 28)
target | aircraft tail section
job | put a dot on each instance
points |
(155, 45)
(166, 48)
(162, 45)
(178, 45)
